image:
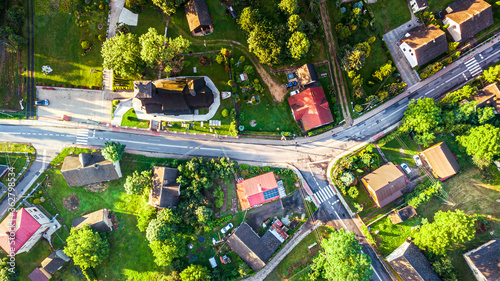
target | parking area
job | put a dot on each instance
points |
(80, 104)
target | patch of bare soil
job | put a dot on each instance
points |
(114, 220)
(71, 203)
(99, 187)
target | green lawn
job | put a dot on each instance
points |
(17, 161)
(394, 153)
(129, 119)
(438, 5)
(391, 236)
(16, 147)
(57, 44)
(391, 14)
(10, 92)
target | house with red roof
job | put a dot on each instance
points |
(310, 108)
(22, 229)
(257, 190)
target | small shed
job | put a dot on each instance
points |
(402, 215)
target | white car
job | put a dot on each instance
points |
(293, 93)
(417, 160)
(406, 168)
(226, 228)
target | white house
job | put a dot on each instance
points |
(423, 44)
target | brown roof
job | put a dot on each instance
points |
(165, 191)
(486, 260)
(403, 214)
(420, 36)
(307, 74)
(463, 10)
(88, 168)
(386, 183)
(441, 160)
(197, 14)
(488, 96)
(98, 220)
(410, 264)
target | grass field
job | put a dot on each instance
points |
(397, 155)
(16, 147)
(17, 161)
(391, 14)
(10, 82)
(437, 5)
(129, 119)
(391, 236)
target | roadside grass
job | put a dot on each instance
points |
(129, 119)
(10, 81)
(16, 147)
(391, 14)
(390, 235)
(300, 257)
(58, 40)
(392, 151)
(16, 161)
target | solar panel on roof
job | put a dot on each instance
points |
(271, 193)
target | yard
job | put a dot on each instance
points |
(397, 154)
(129, 119)
(392, 13)
(391, 236)
(10, 81)
(59, 35)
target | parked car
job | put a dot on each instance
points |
(226, 228)
(291, 84)
(417, 160)
(293, 93)
(406, 168)
(42, 103)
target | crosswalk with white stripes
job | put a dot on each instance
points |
(82, 136)
(324, 194)
(473, 66)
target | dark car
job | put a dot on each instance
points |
(42, 102)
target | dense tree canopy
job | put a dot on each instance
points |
(137, 183)
(168, 6)
(295, 23)
(341, 259)
(86, 247)
(122, 54)
(113, 151)
(289, 6)
(353, 58)
(421, 116)
(165, 252)
(492, 74)
(482, 143)
(298, 45)
(8, 272)
(448, 228)
(262, 43)
(249, 19)
(195, 273)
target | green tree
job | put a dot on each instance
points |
(249, 19)
(122, 54)
(482, 143)
(195, 273)
(357, 82)
(86, 248)
(168, 6)
(164, 252)
(7, 272)
(137, 183)
(384, 71)
(447, 229)
(263, 44)
(16, 15)
(452, 46)
(353, 59)
(248, 69)
(156, 49)
(204, 214)
(219, 197)
(341, 259)
(485, 114)
(492, 74)
(146, 215)
(298, 45)
(344, 32)
(444, 269)
(421, 116)
(113, 151)
(425, 138)
(295, 23)
(163, 227)
(225, 113)
(382, 95)
(347, 178)
(289, 6)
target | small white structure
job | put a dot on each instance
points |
(418, 5)
(46, 69)
(213, 262)
(226, 95)
(128, 18)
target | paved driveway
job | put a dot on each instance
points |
(81, 105)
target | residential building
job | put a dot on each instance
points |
(307, 76)
(484, 261)
(55, 261)
(489, 96)
(89, 168)
(423, 44)
(198, 18)
(254, 250)
(99, 221)
(402, 214)
(410, 264)
(310, 108)
(440, 160)
(418, 5)
(467, 17)
(257, 190)
(172, 97)
(26, 226)
(385, 184)
(39, 274)
(165, 191)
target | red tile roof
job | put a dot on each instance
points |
(311, 108)
(24, 226)
(251, 191)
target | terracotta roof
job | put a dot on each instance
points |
(410, 264)
(251, 191)
(306, 74)
(24, 227)
(386, 182)
(39, 274)
(197, 14)
(463, 10)
(486, 260)
(165, 191)
(310, 108)
(441, 160)
(98, 220)
(254, 250)
(88, 168)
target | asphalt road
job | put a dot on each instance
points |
(304, 155)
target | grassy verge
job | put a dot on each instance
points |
(16, 147)
(129, 119)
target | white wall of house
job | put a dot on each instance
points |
(415, 7)
(453, 29)
(409, 54)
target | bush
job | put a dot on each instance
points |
(101, 37)
(353, 192)
(225, 113)
(358, 108)
(372, 39)
(85, 45)
(135, 5)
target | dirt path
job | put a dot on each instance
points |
(336, 67)
(278, 91)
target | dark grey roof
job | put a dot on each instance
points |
(197, 14)
(407, 212)
(96, 169)
(98, 220)
(179, 96)
(202, 11)
(254, 250)
(422, 3)
(486, 259)
(143, 89)
(472, 16)
(410, 264)
(39, 274)
(165, 191)
(55, 261)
